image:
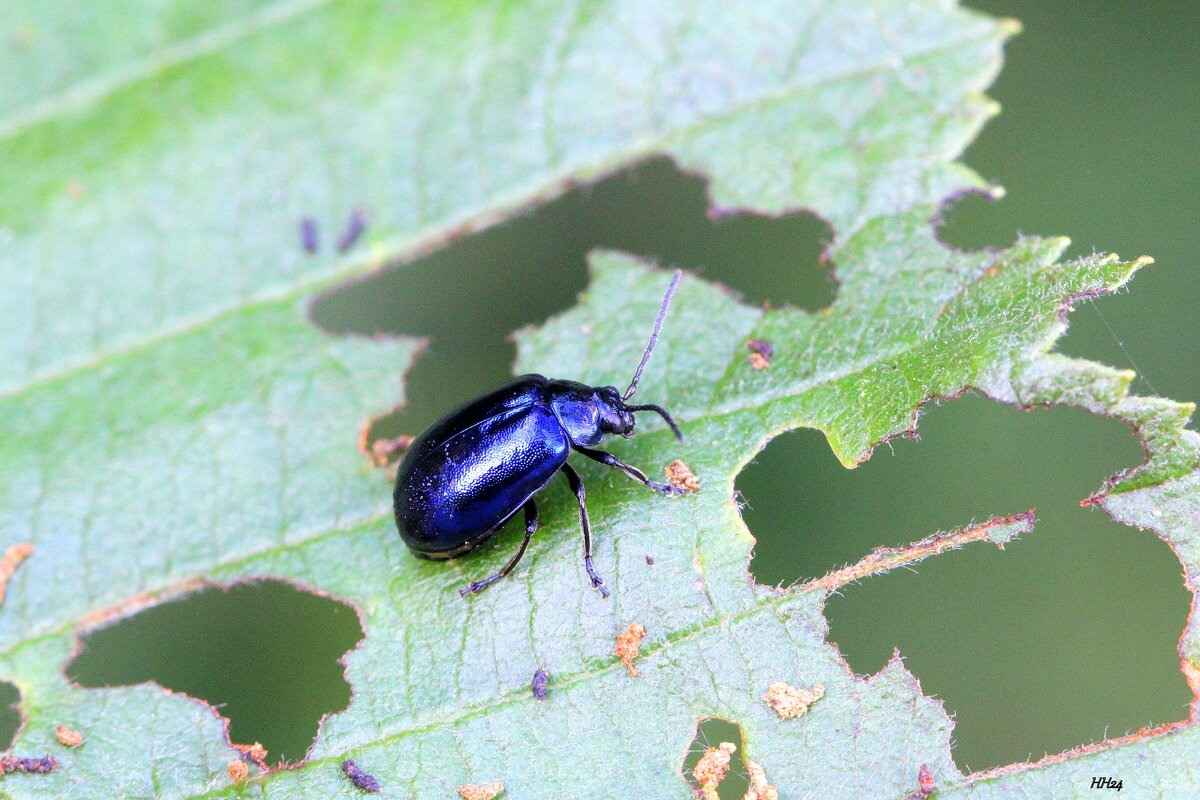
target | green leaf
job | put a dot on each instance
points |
(168, 415)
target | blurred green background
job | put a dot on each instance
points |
(1064, 637)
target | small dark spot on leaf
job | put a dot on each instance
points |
(761, 352)
(926, 783)
(538, 685)
(650, 560)
(308, 235)
(41, 765)
(354, 229)
(360, 779)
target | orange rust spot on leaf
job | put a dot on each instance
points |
(711, 768)
(238, 771)
(12, 559)
(790, 702)
(628, 645)
(927, 785)
(759, 788)
(925, 776)
(682, 477)
(470, 791)
(68, 737)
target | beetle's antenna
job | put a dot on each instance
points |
(662, 313)
(662, 412)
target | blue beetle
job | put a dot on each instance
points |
(473, 469)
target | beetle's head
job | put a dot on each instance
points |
(615, 417)
(589, 413)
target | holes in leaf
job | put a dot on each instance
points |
(1056, 641)
(711, 733)
(10, 714)
(964, 224)
(264, 654)
(468, 296)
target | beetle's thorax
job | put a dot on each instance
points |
(589, 413)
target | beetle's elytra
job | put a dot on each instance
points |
(473, 469)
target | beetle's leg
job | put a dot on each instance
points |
(531, 525)
(577, 488)
(608, 459)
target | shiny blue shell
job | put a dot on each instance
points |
(469, 472)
